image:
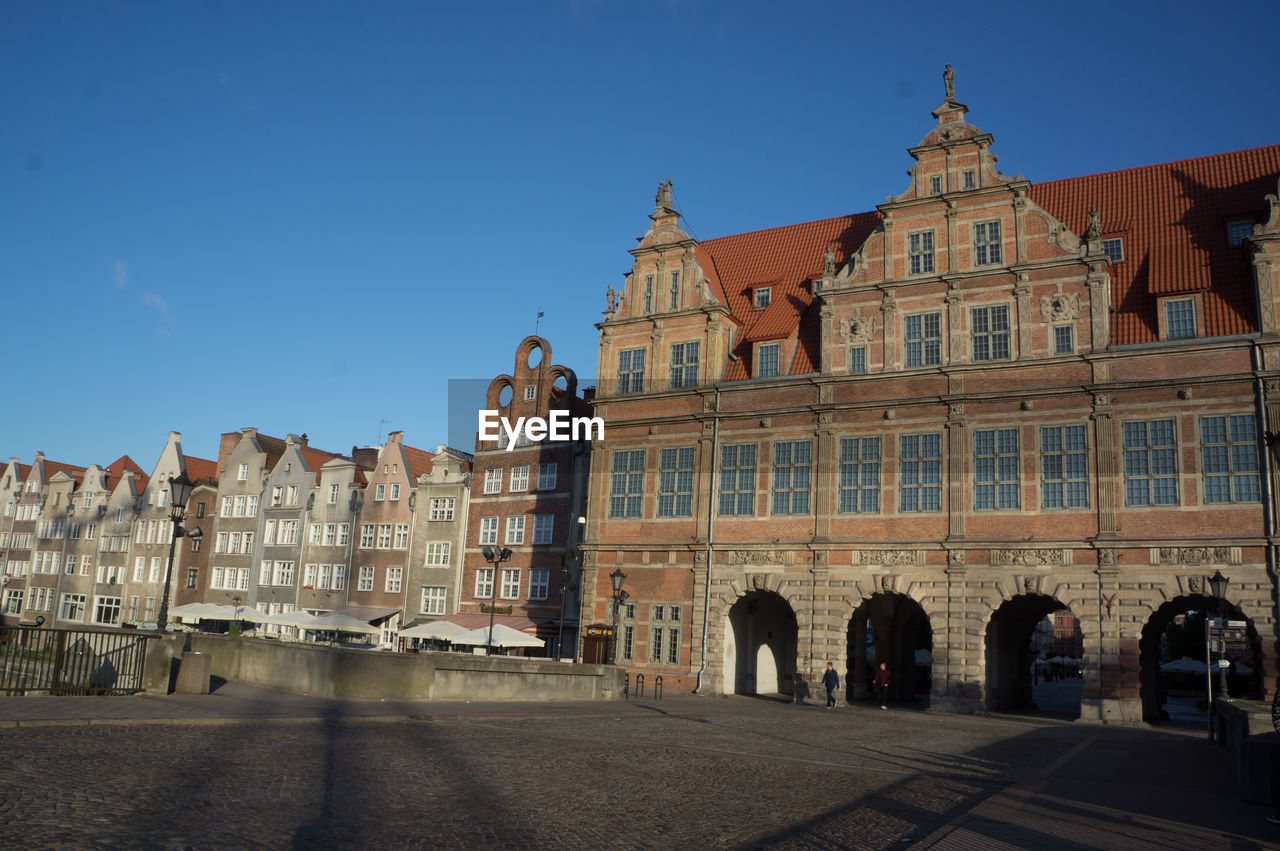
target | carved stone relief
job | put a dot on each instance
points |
(955, 557)
(755, 557)
(859, 329)
(1029, 557)
(1193, 555)
(1194, 584)
(1060, 307)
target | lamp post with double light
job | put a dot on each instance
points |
(619, 597)
(1218, 583)
(179, 492)
(495, 556)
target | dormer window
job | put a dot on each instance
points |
(763, 296)
(1239, 230)
(935, 185)
(1113, 247)
(1179, 318)
(767, 360)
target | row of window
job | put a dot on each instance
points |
(518, 484)
(1229, 466)
(539, 578)
(543, 528)
(384, 536)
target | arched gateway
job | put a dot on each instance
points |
(1013, 664)
(893, 629)
(760, 645)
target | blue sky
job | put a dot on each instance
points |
(307, 217)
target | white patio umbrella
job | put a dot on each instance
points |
(503, 636)
(335, 622)
(445, 630)
(233, 613)
(1185, 665)
(191, 610)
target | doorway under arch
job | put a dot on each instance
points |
(1161, 644)
(760, 645)
(1014, 663)
(894, 629)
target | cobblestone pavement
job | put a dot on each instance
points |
(684, 772)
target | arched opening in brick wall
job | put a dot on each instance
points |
(760, 646)
(893, 629)
(1171, 659)
(1034, 650)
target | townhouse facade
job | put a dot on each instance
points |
(439, 537)
(910, 434)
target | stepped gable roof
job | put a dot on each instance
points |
(786, 259)
(1173, 218)
(419, 461)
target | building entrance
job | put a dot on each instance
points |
(1015, 666)
(760, 645)
(890, 628)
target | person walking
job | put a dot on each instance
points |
(881, 683)
(831, 680)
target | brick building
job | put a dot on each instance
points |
(925, 427)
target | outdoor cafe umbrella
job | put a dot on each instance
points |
(192, 610)
(1184, 665)
(335, 622)
(234, 613)
(443, 630)
(503, 636)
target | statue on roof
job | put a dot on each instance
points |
(609, 299)
(663, 201)
(1095, 223)
(949, 80)
(829, 263)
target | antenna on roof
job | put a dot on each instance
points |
(381, 423)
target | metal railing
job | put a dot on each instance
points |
(70, 661)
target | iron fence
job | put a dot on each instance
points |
(35, 660)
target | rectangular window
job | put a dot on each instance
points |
(484, 583)
(1114, 248)
(243, 474)
(344, 534)
(738, 480)
(935, 185)
(1229, 449)
(969, 179)
(284, 573)
(384, 536)
(520, 478)
(791, 468)
(990, 332)
(859, 475)
(542, 528)
(675, 290)
(547, 476)
(510, 583)
(324, 576)
(106, 610)
(438, 554)
(330, 536)
(768, 366)
(539, 580)
(627, 483)
(493, 480)
(309, 574)
(684, 364)
(1064, 467)
(394, 575)
(442, 508)
(1150, 463)
(380, 492)
(995, 468)
(920, 472)
(655, 644)
(316, 533)
(1064, 340)
(763, 296)
(433, 598)
(334, 492)
(1180, 318)
(675, 483)
(365, 581)
(264, 572)
(857, 359)
(631, 371)
(920, 252)
(1239, 230)
(339, 577)
(72, 608)
(288, 533)
(226, 507)
(530, 392)
(923, 337)
(648, 293)
(986, 243)
(515, 529)
(673, 646)
(489, 530)
(395, 491)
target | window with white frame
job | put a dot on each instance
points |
(339, 577)
(792, 464)
(433, 599)
(106, 610)
(922, 334)
(738, 480)
(986, 243)
(394, 576)
(309, 574)
(920, 252)
(438, 554)
(510, 583)
(283, 573)
(365, 582)
(1064, 339)
(539, 580)
(920, 472)
(493, 480)
(335, 491)
(329, 537)
(520, 478)
(530, 392)
(1114, 248)
(243, 474)
(344, 534)
(515, 529)
(969, 178)
(675, 482)
(1150, 463)
(542, 528)
(287, 533)
(484, 583)
(402, 537)
(631, 370)
(1064, 467)
(316, 534)
(762, 297)
(767, 357)
(547, 476)
(859, 475)
(1229, 451)
(684, 364)
(1179, 318)
(379, 492)
(626, 486)
(995, 468)
(277, 496)
(441, 508)
(72, 608)
(488, 530)
(384, 536)
(395, 491)
(857, 359)
(367, 533)
(990, 326)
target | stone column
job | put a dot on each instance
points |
(952, 261)
(1106, 463)
(889, 331)
(957, 351)
(824, 481)
(1022, 292)
(956, 435)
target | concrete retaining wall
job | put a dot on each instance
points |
(364, 674)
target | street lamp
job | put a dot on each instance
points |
(495, 556)
(1218, 583)
(180, 491)
(619, 597)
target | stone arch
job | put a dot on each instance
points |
(1010, 664)
(758, 645)
(891, 627)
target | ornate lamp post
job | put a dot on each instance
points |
(1219, 583)
(619, 597)
(180, 491)
(495, 556)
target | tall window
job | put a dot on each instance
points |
(768, 366)
(1064, 467)
(1064, 340)
(547, 476)
(520, 478)
(923, 337)
(995, 468)
(986, 243)
(1229, 449)
(675, 290)
(365, 582)
(684, 364)
(969, 179)
(1239, 230)
(438, 554)
(990, 332)
(631, 371)
(857, 359)
(791, 467)
(488, 530)
(510, 583)
(1180, 318)
(543, 524)
(433, 599)
(484, 583)
(763, 297)
(394, 576)
(648, 293)
(859, 474)
(920, 472)
(920, 252)
(334, 492)
(626, 485)
(1114, 248)
(738, 480)
(538, 583)
(675, 483)
(515, 529)
(402, 536)
(493, 480)
(1150, 463)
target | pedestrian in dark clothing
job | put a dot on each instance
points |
(832, 681)
(881, 683)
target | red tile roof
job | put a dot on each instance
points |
(52, 467)
(201, 470)
(419, 461)
(1173, 219)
